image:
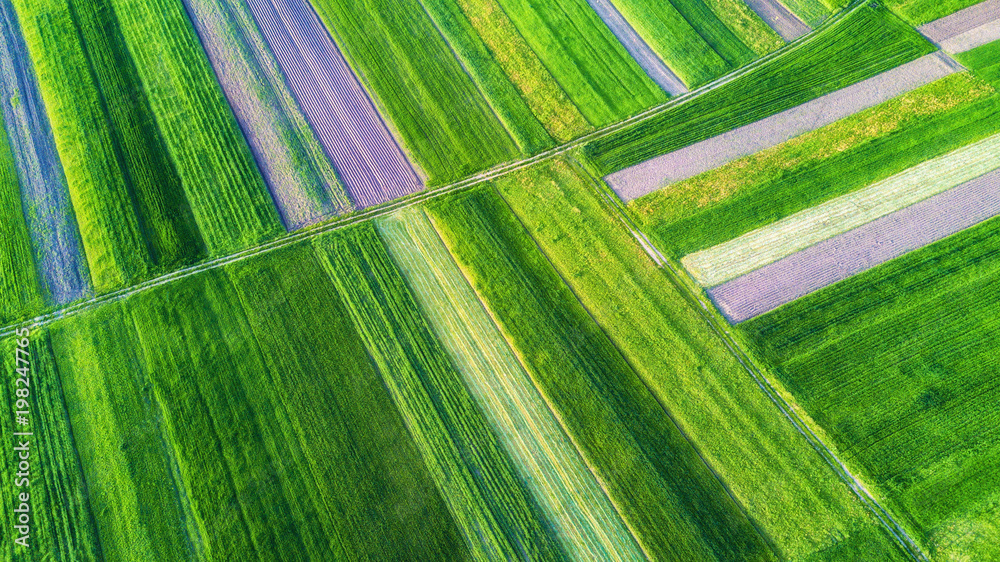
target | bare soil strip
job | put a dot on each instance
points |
(706, 155)
(638, 48)
(965, 29)
(781, 20)
(858, 250)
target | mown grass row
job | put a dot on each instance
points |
(875, 144)
(20, 290)
(662, 489)
(785, 488)
(863, 43)
(897, 365)
(549, 463)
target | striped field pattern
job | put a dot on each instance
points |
(299, 175)
(367, 158)
(765, 245)
(562, 484)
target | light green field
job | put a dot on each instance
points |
(502, 95)
(875, 144)
(362, 470)
(230, 203)
(747, 25)
(668, 497)
(477, 479)
(760, 247)
(983, 61)
(136, 495)
(539, 88)
(61, 514)
(580, 512)
(20, 290)
(859, 45)
(812, 12)
(585, 58)
(793, 497)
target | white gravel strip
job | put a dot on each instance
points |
(965, 29)
(782, 21)
(860, 249)
(793, 233)
(654, 174)
(640, 51)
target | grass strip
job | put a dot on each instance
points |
(20, 290)
(560, 481)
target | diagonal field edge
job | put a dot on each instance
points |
(654, 174)
(757, 248)
(423, 196)
(705, 309)
(858, 250)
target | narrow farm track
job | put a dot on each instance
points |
(721, 329)
(417, 198)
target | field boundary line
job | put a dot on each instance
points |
(349, 219)
(788, 410)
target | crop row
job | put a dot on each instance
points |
(865, 42)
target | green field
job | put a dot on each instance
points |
(477, 479)
(919, 12)
(536, 84)
(874, 144)
(158, 171)
(764, 463)
(812, 12)
(61, 514)
(694, 55)
(898, 366)
(983, 61)
(747, 25)
(419, 86)
(590, 64)
(20, 290)
(504, 98)
(664, 491)
(863, 43)
(561, 483)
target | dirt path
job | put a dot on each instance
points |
(781, 20)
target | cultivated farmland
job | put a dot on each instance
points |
(291, 159)
(335, 280)
(897, 365)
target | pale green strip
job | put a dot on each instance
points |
(765, 245)
(570, 496)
